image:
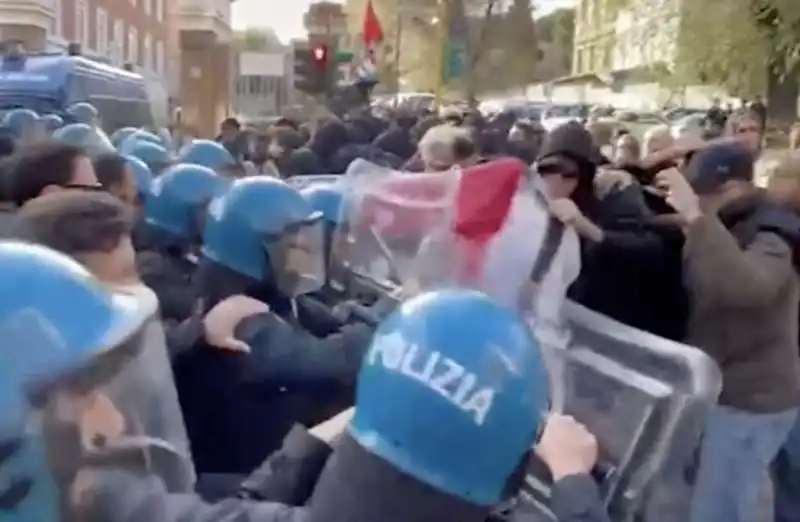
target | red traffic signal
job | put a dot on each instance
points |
(319, 55)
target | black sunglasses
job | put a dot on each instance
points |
(555, 169)
(90, 188)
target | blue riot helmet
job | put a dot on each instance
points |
(142, 175)
(51, 122)
(458, 365)
(23, 123)
(265, 230)
(153, 154)
(137, 136)
(165, 138)
(76, 352)
(119, 136)
(93, 140)
(84, 112)
(177, 201)
(210, 154)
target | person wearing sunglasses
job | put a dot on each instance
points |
(48, 167)
(566, 167)
(616, 250)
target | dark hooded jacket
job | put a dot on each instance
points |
(329, 138)
(615, 272)
(301, 162)
(396, 140)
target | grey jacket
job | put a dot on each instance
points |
(743, 312)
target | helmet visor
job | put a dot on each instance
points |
(113, 412)
(298, 258)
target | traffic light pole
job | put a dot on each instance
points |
(444, 30)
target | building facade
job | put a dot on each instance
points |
(121, 32)
(207, 63)
(609, 39)
(261, 89)
(646, 33)
(595, 29)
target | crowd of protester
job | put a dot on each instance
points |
(675, 239)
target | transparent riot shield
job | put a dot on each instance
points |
(644, 397)
(387, 217)
(83, 424)
(301, 182)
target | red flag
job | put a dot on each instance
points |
(372, 31)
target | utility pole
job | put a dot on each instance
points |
(398, 42)
(443, 29)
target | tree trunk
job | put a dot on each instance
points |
(782, 94)
(475, 52)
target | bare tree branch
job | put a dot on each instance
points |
(483, 36)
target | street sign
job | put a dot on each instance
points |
(343, 56)
(455, 59)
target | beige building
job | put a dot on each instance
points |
(608, 39)
(205, 40)
(595, 26)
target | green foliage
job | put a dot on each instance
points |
(736, 44)
(558, 28)
(256, 40)
(721, 44)
(520, 43)
(502, 48)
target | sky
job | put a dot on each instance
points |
(286, 16)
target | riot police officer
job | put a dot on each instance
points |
(174, 211)
(264, 240)
(212, 155)
(24, 124)
(480, 425)
(108, 443)
(328, 200)
(84, 112)
(142, 176)
(91, 139)
(152, 153)
(51, 122)
(91, 428)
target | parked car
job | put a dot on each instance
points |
(678, 113)
(688, 125)
(558, 114)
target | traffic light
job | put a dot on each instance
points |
(319, 55)
(312, 69)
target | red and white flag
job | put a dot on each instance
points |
(372, 35)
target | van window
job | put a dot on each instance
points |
(109, 97)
